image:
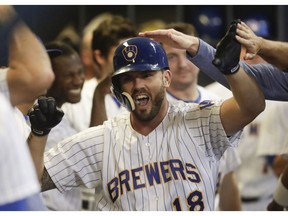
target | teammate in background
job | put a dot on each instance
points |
(70, 36)
(271, 79)
(86, 52)
(29, 75)
(274, 52)
(158, 156)
(106, 37)
(69, 79)
(184, 87)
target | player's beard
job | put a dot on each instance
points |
(156, 106)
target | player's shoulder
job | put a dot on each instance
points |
(120, 119)
(180, 106)
(207, 95)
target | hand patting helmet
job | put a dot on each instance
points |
(136, 54)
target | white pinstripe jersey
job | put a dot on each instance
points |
(172, 168)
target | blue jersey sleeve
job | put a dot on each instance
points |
(273, 81)
(31, 203)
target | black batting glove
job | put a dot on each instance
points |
(44, 115)
(228, 51)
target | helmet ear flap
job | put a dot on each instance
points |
(128, 101)
(124, 98)
(117, 94)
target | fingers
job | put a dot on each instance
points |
(47, 105)
(39, 115)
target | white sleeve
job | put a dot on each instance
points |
(17, 172)
(77, 160)
(3, 83)
(273, 132)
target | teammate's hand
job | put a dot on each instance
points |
(44, 115)
(228, 51)
(247, 38)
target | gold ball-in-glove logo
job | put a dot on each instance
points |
(130, 52)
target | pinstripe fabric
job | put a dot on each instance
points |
(53, 199)
(17, 173)
(171, 168)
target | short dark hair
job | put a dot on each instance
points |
(185, 28)
(65, 49)
(110, 32)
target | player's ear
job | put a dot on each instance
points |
(98, 57)
(167, 75)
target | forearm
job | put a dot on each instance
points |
(275, 52)
(229, 186)
(37, 147)
(29, 63)
(203, 60)
(273, 82)
(98, 112)
(247, 93)
(247, 101)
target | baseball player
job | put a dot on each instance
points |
(16, 164)
(69, 79)
(28, 62)
(156, 156)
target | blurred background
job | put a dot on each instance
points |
(211, 21)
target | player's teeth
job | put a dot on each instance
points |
(75, 91)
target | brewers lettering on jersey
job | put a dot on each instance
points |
(155, 155)
(172, 168)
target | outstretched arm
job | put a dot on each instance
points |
(248, 100)
(30, 73)
(273, 81)
(98, 112)
(274, 52)
(43, 116)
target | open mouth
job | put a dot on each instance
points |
(75, 91)
(141, 100)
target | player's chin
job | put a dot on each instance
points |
(74, 99)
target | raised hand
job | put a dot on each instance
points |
(44, 115)
(247, 38)
(171, 38)
(228, 51)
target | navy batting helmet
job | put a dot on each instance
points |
(136, 54)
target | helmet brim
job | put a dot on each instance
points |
(138, 67)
